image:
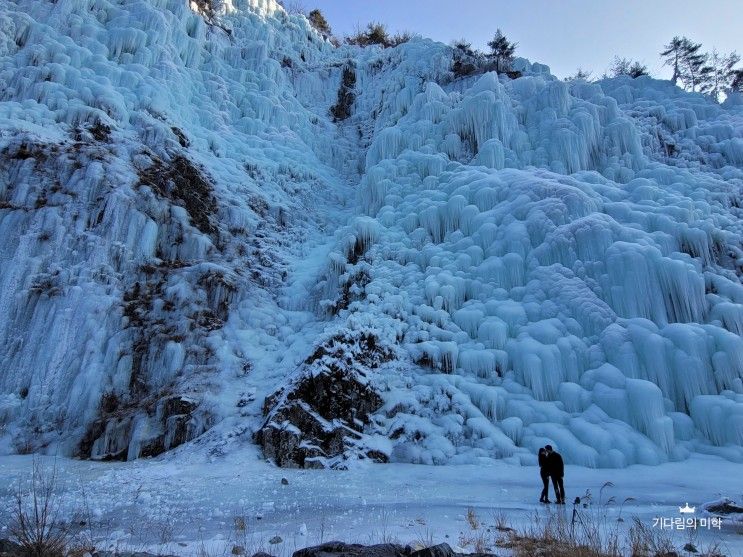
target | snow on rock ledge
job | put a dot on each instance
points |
(221, 7)
(318, 419)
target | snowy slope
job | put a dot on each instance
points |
(182, 218)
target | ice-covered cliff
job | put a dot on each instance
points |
(198, 213)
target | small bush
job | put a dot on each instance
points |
(466, 60)
(400, 38)
(464, 47)
(579, 75)
(625, 66)
(472, 519)
(293, 6)
(36, 521)
(375, 33)
(346, 96)
(477, 537)
(558, 536)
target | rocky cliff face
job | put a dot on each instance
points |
(139, 210)
(219, 226)
(318, 420)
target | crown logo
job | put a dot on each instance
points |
(687, 509)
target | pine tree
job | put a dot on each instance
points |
(696, 71)
(737, 83)
(318, 21)
(673, 53)
(719, 74)
(501, 51)
(688, 63)
(692, 65)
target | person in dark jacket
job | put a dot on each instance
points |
(544, 473)
(556, 470)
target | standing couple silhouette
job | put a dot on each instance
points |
(551, 467)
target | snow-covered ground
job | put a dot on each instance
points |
(178, 504)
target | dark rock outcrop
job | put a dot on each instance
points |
(340, 549)
(346, 96)
(321, 414)
(184, 184)
(440, 550)
(175, 420)
(724, 507)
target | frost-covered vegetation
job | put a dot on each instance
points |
(190, 202)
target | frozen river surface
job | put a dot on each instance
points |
(183, 506)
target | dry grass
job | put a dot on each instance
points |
(472, 519)
(501, 522)
(478, 538)
(644, 540)
(590, 530)
(556, 536)
(590, 536)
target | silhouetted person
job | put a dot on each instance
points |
(556, 470)
(544, 473)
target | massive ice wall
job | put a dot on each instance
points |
(187, 203)
(154, 169)
(565, 259)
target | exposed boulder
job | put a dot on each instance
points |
(440, 550)
(318, 419)
(340, 549)
(726, 509)
(725, 506)
(126, 554)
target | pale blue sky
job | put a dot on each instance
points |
(563, 34)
